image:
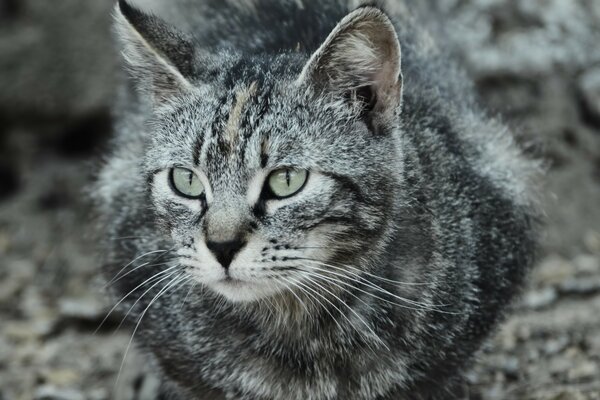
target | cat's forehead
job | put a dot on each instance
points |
(232, 133)
(228, 126)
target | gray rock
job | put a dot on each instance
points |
(90, 309)
(48, 392)
(538, 299)
(587, 264)
(556, 345)
(580, 286)
(584, 370)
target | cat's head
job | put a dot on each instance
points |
(270, 172)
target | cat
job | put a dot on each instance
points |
(305, 200)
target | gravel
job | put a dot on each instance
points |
(536, 62)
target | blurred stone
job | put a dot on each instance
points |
(587, 264)
(537, 299)
(34, 304)
(589, 88)
(584, 370)
(89, 309)
(511, 367)
(557, 345)
(580, 286)
(552, 271)
(49, 392)
(61, 377)
(559, 365)
(591, 240)
(30, 330)
(101, 394)
(568, 395)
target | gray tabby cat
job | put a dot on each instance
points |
(309, 217)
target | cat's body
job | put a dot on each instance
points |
(414, 224)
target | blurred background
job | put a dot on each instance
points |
(537, 62)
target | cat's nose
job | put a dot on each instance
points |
(225, 251)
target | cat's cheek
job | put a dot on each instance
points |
(319, 244)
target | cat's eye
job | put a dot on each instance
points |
(286, 182)
(186, 183)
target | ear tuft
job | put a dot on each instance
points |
(160, 58)
(360, 59)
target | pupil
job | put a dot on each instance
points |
(287, 176)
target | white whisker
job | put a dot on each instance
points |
(133, 261)
(379, 288)
(142, 296)
(190, 290)
(155, 276)
(355, 313)
(168, 286)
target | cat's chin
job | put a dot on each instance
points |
(238, 291)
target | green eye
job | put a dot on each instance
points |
(287, 182)
(186, 183)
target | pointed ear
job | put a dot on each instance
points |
(160, 59)
(360, 60)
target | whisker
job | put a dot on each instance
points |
(155, 276)
(143, 294)
(136, 259)
(146, 264)
(345, 266)
(380, 289)
(273, 310)
(167, 287)
(355, 313)
(338, 310)
(338, 282)
(304, 288)
(290, 289)
(190, 290)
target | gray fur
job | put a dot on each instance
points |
(418, 209)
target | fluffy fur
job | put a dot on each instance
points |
(382, 276)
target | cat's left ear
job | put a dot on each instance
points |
(160, 59)
(361, 61)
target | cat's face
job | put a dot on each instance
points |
(289, 182)
(278, 183)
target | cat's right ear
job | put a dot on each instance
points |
(159, 58)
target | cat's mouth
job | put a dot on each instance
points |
(239, 290)
(228, 280)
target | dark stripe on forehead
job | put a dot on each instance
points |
(249, 126)
(219, 116)
(260, 105)
(244, 98)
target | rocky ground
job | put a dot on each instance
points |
(537, 62)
